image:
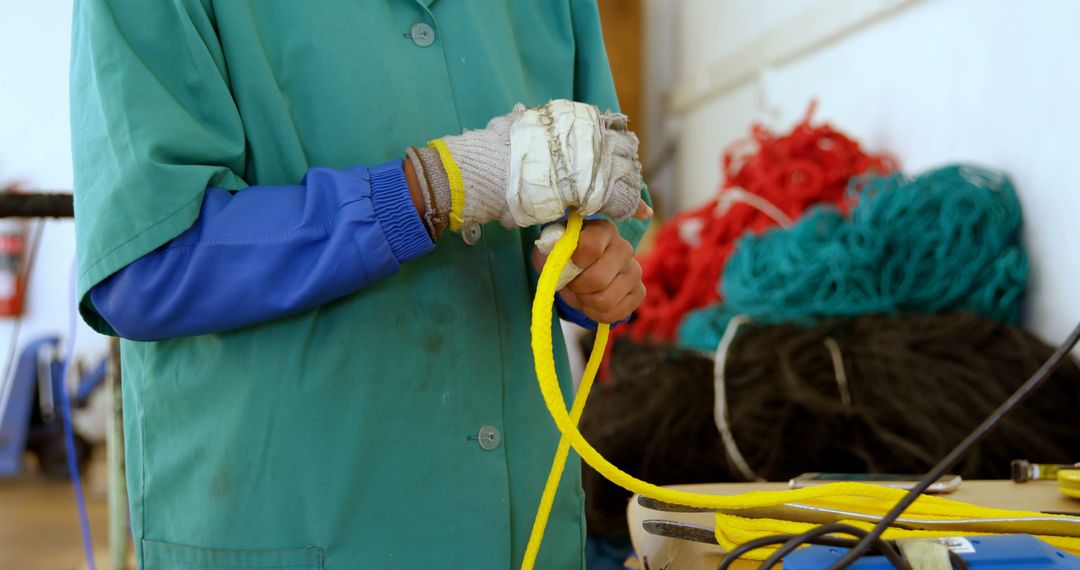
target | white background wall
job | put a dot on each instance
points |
(35, 148)
(990, 81)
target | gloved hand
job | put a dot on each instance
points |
(529, 166)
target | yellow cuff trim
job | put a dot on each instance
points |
(457, 185)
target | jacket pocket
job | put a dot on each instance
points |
(167, 556)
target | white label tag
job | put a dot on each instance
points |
(958, 544)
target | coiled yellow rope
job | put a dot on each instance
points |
(559, 463)
(868, 499)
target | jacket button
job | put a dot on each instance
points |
(489, 437)
(471, 233)
(422, 34)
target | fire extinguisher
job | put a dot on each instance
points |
(12, 277)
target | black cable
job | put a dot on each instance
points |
(1032, 384)
(764, 541)
(832, 528)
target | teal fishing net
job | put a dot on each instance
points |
(946, 240)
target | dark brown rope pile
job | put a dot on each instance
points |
(918, 384)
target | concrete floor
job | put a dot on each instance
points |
(39, 524)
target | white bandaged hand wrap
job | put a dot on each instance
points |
(529, 166)
(567, 155)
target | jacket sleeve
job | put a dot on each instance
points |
(171, 239)
(267, 252)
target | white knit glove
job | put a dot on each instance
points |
(529, 166)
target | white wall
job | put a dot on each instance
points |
(996, 82)
(35, 145)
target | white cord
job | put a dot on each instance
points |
(838, 368)
(720, 409)
(732, 196)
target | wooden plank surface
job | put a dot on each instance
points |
(39, 526)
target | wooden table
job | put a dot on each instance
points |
(685, 555)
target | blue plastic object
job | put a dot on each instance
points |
(15, 422)
(69, 435)
(1005, 552)
(90, 382)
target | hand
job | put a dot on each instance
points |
(567, 155)
(609, 286)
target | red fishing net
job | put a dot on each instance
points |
(769, 180)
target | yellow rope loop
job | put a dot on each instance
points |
(543, 512)
(457, 185)
(864, 498)
(732, 530)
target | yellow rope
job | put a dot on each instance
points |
(559, 463)
(733, 530)
(868, 498)
(457, 185)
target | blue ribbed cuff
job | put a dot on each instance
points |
(568, 313)
(392, 201)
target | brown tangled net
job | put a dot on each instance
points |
(916, 385)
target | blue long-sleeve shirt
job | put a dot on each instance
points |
(271, 251)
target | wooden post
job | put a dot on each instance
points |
(621, 21)
(118, 505)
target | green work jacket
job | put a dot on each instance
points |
(347, 436)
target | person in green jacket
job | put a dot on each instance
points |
(325, 350)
